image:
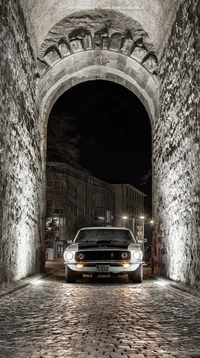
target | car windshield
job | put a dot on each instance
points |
(114, 235)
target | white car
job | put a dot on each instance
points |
(103, 250)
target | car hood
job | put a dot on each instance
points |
(103, 244)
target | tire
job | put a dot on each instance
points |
(137, 275)
(70, 275)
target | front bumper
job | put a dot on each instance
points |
(98, 267)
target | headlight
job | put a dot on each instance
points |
(80, 256)
(124, 255)
(68, 255)
(137, 255)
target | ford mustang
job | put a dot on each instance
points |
(103, 250)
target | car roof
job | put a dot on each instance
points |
(104, 227)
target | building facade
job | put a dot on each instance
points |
(74, 199)
(129, 208)
(77, 199)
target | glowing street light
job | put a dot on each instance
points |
(124, 218)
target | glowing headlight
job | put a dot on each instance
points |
(68, 255)
(124, 255)
(137, 255)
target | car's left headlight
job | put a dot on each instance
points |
(137, 255)
(68, 255)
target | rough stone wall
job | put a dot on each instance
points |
(176, 151)
(19, 150)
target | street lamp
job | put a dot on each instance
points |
(124, 218)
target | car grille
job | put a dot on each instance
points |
(101, 256)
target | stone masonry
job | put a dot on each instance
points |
(19, 156)
(176, 151)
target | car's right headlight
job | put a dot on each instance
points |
(68, 255)
(124, 255)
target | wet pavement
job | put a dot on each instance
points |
(95, 318)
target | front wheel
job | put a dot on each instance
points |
(137, 275)
(70, 275)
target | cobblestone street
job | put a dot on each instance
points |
(99, 318)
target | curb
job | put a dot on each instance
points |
(23, 283)
(179, 286)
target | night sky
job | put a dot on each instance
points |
(115, 132)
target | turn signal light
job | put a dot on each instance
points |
(79, 265)
(126, 265)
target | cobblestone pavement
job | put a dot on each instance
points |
(108, 318)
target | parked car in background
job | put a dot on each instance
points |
(103, 250)
(147, 255)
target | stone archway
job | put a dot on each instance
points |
(113, 47)
(132, 42)
(109, 51)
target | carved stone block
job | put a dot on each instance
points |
(97, 41)
(64, 49)
(115, 42)
(51, 57)
(139, 53)
(76, 45)
(150, 63)
(126, 46)
(87, 42)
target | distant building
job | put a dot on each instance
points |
(75, 199)
(129, 206)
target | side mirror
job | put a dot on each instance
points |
(69, 242)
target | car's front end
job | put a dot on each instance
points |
(109, 255)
